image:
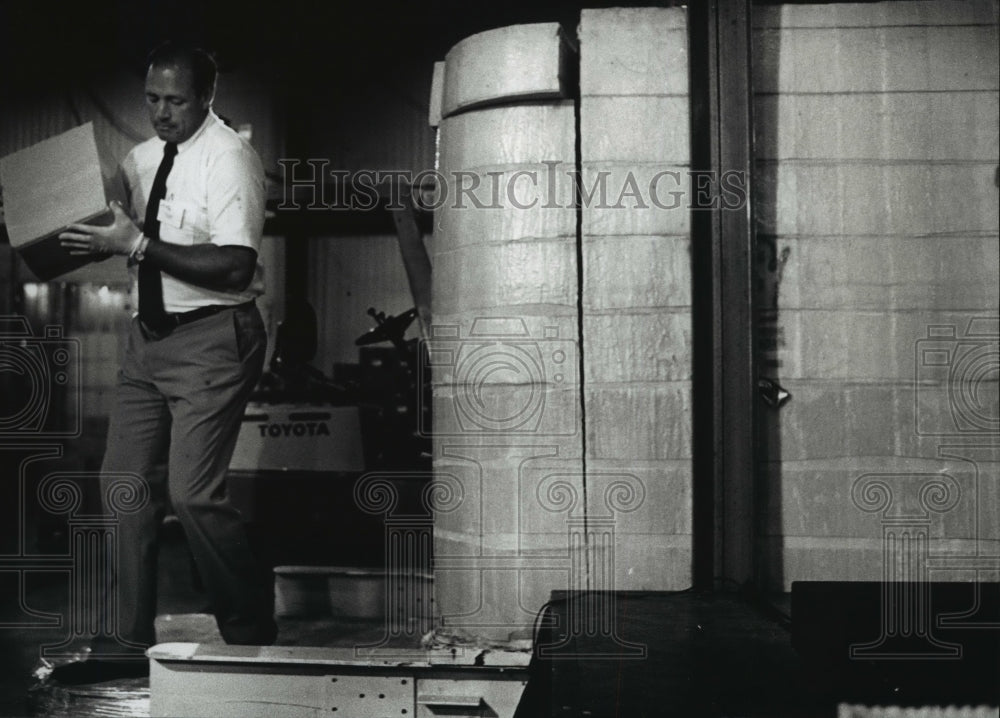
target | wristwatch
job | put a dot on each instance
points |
(139, 253)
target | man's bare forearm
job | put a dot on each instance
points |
(225, 268)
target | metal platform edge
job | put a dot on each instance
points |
(341, 657)
(193, 679)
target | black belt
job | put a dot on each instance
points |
(174, 320)
(181, 318)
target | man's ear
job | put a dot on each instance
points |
(208, 98)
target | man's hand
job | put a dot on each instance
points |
(117, 238)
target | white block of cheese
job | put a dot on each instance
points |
(508, 64)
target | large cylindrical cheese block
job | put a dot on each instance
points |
(636, 298)
(505, 363)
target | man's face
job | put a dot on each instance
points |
(175, 109)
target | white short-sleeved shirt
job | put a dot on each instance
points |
(215, 193)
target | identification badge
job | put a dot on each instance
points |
(170, 213)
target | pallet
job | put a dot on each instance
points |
(191, 679)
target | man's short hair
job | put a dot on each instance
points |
(200, 62)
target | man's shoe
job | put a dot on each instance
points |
(98, 670)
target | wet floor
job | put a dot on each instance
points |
(182, 618)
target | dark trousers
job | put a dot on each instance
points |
(179, 405)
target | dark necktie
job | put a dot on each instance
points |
(151, 311)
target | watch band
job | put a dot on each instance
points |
(139, 253)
